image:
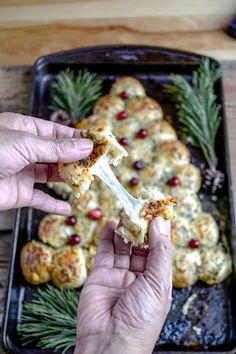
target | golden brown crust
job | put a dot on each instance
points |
(140, 107)
(109, 106)
(173, 153)
(36, 262)
(158, 208)
(54, 231)
(68, 267)
(128, 84)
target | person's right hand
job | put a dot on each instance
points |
(127, 296)
(30, 149)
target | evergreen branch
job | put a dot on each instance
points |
(75, 94)
(198, 112)
(49, 320)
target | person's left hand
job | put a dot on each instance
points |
(30, 149)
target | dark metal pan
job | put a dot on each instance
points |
(213, 311)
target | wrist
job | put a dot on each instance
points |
(109, 344)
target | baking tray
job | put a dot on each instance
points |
(213, 311)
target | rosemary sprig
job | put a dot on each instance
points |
(75, 94)
(49, 319)
(198, 112)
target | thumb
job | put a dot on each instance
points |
(40, 149)
(159, 262)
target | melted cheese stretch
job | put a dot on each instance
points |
(131, 205)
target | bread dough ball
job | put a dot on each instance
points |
(36, 261)
(54, 231)
(189, 177)
(181, 232)
(186, 263)
(87, 201)
(127, 128)
(84, 228)
(139, 150)
(188, 205)
(69, 267)
(94, 122)
(160, 131)
(129, 85)
(216, 265)
(144, 109)
(109, 106)
(207, 230)
(172, 153)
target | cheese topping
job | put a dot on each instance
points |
(131, 205)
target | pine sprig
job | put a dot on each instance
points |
(49, 320)
(198, 112)
(75, 94)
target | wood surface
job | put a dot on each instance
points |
(14, 88)
(29, 29)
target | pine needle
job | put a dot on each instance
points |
(75, 94)
(49, 319)
(198, 112)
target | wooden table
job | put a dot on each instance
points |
(14, 90)
(29, 28)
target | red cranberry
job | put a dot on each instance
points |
(194, 243)
(122, 115)
(95, 214)
(143, 133)
(174, 182)
(123, 141)
(71, 220)
(124, 95)
(138, 165)
(74, 240)
(134, 182)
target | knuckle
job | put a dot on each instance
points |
(165, 246)
(63, 146)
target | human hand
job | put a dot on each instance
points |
(30, 149)
(127, 295)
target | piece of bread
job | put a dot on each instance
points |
(188, 205)
(189, 178)
(94, 121)
(172, 153)
(186, 264)
(79, 175)
(160, 131)
(216, 265)
(140, 107)
(207, 230)
(182, 232)
(109, 106)
(134, 226)
(128, 84)
(36, 262)
(69, 267)
(54, 231)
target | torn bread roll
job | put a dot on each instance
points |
(79, 175)
(134, 225)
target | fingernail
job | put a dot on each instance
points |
(85, 144)
(163, 226)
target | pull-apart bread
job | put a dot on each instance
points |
(137, 213)
(157, 160)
